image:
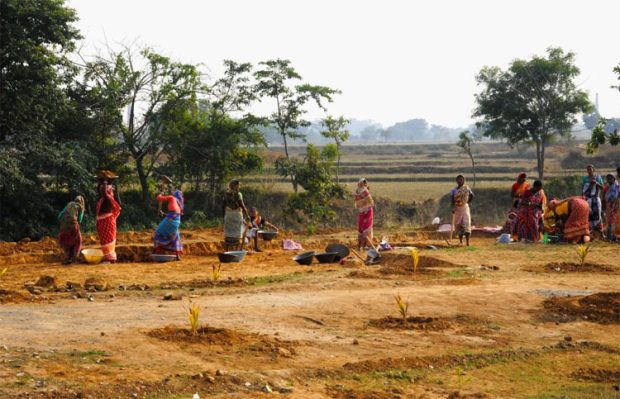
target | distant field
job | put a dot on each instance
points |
(416, 172)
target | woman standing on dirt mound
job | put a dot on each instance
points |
(69, 237)
(571, 215)
(235, 214)
(167, 237)
(365, 215)
(108, 210)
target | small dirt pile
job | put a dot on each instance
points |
(402, 264)
(603, 308)
(568, 267)
(413, 323)
(222, 337)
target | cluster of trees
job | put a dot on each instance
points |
(534, 101)
(132, 110)
(412, 130)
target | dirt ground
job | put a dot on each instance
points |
(488, 321)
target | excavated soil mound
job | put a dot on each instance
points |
(597, 375)
(477, 360)
(223, 337)
(339, 392)
(413, 323)
(12, 297)
(568, 267)
(393, 263)
(603, 308)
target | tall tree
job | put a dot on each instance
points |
(36, 37)
(465, 142)
(532, 101)
(335, 129)
(220, 138)
(148, 91)
(275, 80)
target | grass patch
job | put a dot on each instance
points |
(278, 278)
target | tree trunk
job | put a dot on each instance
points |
(143, 183)
(540, 158)
(541, 172)
(338, 165)
(285, 145)
(473, 167)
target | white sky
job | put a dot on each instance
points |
(393, 60)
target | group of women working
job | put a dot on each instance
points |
(166, 238)
(575, 218)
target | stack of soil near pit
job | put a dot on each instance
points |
(603, 308)
(222, 337)
(568, 267)
(400, 263)
(413, 323)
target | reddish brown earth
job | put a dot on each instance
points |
(320, 331)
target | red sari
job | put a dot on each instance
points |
(529, 216)
(107, 212)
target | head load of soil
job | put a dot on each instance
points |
(603, 308)
(402, 263)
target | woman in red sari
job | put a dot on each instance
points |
(365, 215)
(529, 214)
(572, 215)
(108, 209)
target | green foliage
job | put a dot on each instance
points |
(600, 137)
(313, 174)
(212, 149)
(563, 187)
(35, 76)
(465, 142)
(275, 80)
(335, 129)
(532, 101)
(153, 91)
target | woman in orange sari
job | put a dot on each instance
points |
(572, 216)
(108, 210)
(518, 189)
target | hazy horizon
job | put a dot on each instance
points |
(393, 60)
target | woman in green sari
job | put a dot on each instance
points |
(69, 237)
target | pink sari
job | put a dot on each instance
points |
(365, 215)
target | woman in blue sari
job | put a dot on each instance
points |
(167, 238)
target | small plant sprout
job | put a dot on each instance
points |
(215, 271)
(415, 255)
(403, 307)
(582, 252)
(193, 315)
